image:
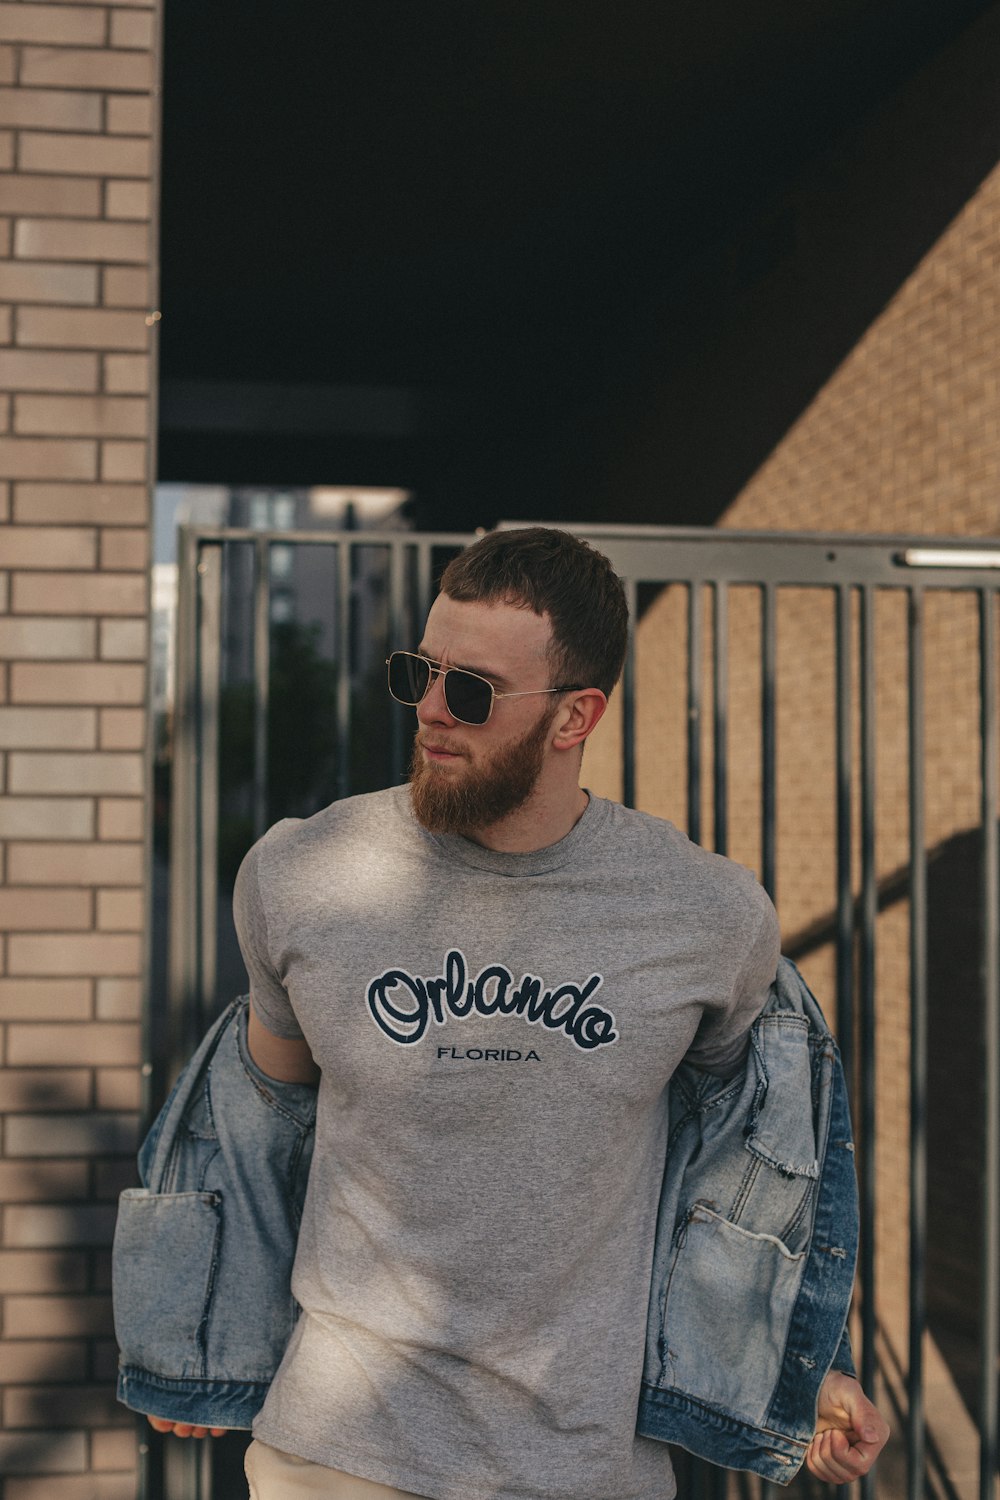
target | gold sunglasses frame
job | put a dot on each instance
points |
(438, 669)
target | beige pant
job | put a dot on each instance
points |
(282, 1476)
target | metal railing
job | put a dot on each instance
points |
(373, 591)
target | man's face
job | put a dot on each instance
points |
(465, 777)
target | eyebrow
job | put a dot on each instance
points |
(497, 678)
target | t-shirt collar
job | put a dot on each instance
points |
(536, 862)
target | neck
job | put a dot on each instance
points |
(540, 822)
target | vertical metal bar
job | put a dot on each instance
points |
(628, 700)
(720, 717)
(425, 582)
(397, 750)
(413, 577)
(990, 967)
(915, 1435)
(193, 877)
(261, 680)
(869, 912)
(845, 779)
(694, 690)
(209, 663)
(769, 806)
(844, 650)
(344, 669)
(844, 945)
(185, 913)
(184, 1471)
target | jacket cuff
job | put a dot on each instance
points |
(843, 1360)
(203, 1403)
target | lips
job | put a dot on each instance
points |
(441, 753)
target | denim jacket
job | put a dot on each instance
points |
(203, 1251)
(752, 1273)
(756, 1246)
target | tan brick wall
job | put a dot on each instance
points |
(78, 121)
(905, 437)
(902, 438)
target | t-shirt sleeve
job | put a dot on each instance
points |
(720, 1042)
(268, 994)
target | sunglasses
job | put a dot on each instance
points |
(468, 697)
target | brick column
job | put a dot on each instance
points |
(78, 133)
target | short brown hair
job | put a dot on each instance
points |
(555, 574)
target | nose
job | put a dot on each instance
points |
(432, 708)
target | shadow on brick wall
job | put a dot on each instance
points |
(955, 1094)
(956, 1134)
(729, 353)
(60, 1413)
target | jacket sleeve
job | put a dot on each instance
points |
(843, 1360)
(201, 1267)
(746, 1319)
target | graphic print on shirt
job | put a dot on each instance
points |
(403, 1004)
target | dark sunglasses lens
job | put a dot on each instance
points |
(408, 677)
(469, 698)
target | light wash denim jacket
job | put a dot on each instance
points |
(755, 1248)
(752, 1273)
(203, 1251)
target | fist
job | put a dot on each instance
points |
(850, 1431)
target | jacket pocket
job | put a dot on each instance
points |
(726, 1312)
(781, 1130)
(164, 1261)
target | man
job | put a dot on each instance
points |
(494, 975)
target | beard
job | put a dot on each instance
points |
(481, 795)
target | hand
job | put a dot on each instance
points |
(850, 1432)
(184, 1429)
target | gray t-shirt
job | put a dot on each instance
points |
(496, 1033)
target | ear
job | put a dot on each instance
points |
(578, 716)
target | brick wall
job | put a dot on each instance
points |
(77, 289)
(903, 436)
